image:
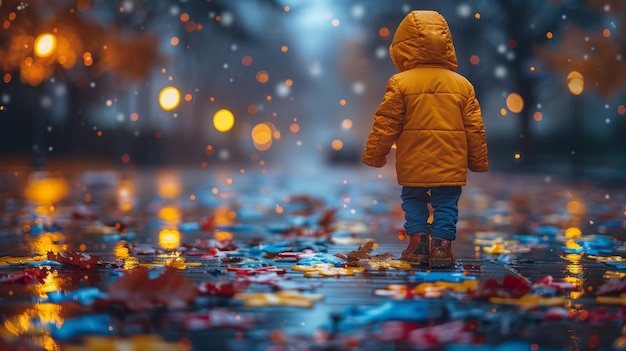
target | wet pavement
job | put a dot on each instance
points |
(261, 259)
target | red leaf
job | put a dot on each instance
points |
(511, 287)
(138, 292)
(27, 276)
(613, 286)
(549, 280)
(81, 260)
(223, 288)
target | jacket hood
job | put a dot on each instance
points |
(423, 38)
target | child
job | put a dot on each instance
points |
(432, 115)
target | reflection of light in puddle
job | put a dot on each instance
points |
(38, 336)
(44, 243)
(574, 258)
(571, 244)
(122, 253)
(44, 188)
(52, 282)
(33, 321)
(126, 195)
(169, 238)
(613, 275)
(168, 185)
(169, 214)
(224, 217)
(575, 275)
(44, 211)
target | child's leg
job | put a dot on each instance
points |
(445, 202)
(443, 229)
(415, 205)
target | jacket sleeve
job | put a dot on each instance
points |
(478, 160)
(386, 128)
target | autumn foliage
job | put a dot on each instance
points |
(138, 293)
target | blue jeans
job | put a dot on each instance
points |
(445, 203)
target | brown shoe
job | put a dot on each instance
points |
(441, 253)
(418, 250)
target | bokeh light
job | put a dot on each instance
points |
(515, 102)
(573, 233)
(169, 239)
(45, 190)
(223, 120)
(337, 144)
(246, 60)
(169, 214)
(126, 195)
(262, 77)
(575, 207)
(261, 134)
(294, 127)
(384, 33)
(169, 98)
(45, 45)
(168, 185)
(575, 82)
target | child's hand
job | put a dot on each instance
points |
(375, 162)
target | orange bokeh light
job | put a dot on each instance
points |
(337, 144)
(262, 77)
(246, 60)
(384, 33)
(515, 102)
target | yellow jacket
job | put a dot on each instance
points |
(429, 111)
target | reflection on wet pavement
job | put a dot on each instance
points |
(182, 259)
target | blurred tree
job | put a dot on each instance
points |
(589, 55)
(83, 45)
(530, 35)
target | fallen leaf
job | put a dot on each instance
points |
(79, 259)
(363, 252)
(138, 293)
